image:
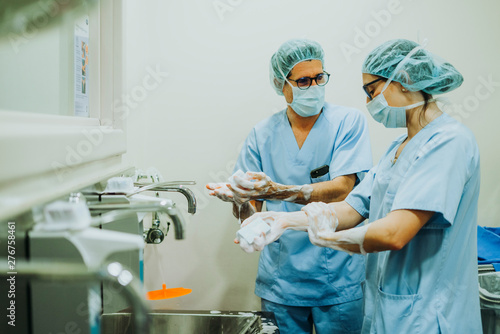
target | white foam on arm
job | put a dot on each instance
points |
(323, 223)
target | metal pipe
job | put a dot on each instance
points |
(157, 206)
(154, 185)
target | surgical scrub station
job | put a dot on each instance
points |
(420, 199)
(249, 167)
(310, 151)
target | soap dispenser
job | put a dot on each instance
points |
(64, 235)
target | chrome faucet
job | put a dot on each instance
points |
(167, 186)
(112, 212)
(70, 272)
(188, 193)
(170, 186)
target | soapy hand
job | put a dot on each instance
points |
(250, 185)
(277, 226)
(323, 222)
(257, 185)
(221, 191)
(242, 187)
(278, 223)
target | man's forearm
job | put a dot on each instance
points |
(335, 190)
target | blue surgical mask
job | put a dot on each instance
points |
(309, 102)
(391, 117)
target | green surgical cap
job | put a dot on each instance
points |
(422, 71)
(290, 54)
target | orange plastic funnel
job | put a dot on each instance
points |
(165, 293)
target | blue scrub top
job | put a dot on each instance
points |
(292, 271)
(431, 285)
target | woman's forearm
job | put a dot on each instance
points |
(395, 230)
(347, 216)
(390, 233)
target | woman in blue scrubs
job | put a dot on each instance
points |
(421, 201)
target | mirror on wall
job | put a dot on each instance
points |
(47, 52)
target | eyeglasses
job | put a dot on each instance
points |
(306, 82)
(367, 91)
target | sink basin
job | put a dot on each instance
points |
(186, 322)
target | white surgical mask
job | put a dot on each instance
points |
(309, 102)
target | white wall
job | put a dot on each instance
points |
(191, 122)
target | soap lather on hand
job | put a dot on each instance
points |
(254, 229)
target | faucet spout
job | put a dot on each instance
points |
(188, 193)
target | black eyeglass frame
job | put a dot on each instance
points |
(365, 87)
(311, 80)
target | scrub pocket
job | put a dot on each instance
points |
(323, 178)
(397, 313)
(351, 315)
(387, 202)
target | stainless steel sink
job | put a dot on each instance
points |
(186, 322)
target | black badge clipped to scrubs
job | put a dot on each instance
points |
(320, 171)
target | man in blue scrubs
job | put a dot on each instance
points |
(310, 151)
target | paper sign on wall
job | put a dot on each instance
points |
(81, 67)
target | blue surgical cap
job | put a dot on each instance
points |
(422, 71)
(290, 54)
